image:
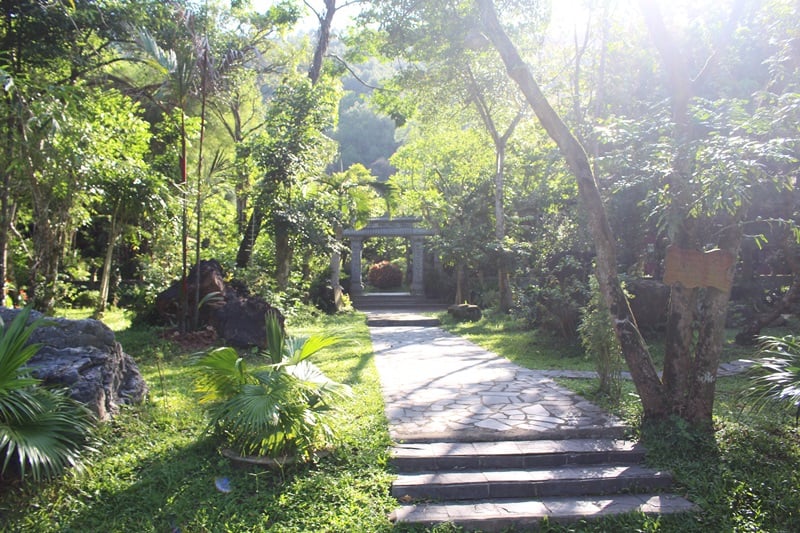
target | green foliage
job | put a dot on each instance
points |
(597, 335)
(775, 378)
(552, 302)
(42, 431)
(275, 409)
(385, 275)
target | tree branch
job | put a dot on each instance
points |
(353, 73)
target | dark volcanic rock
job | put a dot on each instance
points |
(84, 356)
(238, 317)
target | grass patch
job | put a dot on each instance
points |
(155, 469)
(534, 349)
(529, 348)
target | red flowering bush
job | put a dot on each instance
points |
(385, 275)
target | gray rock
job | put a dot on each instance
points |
(468, 312)
(84, 357)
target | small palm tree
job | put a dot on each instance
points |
(279, 408)
(776, 378)
(41, 430)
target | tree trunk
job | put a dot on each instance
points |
(283, 254)
(325, 22)
(506, 298)
(461, 282)
(252, 230)
(105, 278)
(633, 346)
(336, 266)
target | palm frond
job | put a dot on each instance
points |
(159, 58)
(775, 378)
(51, 438)
(276, 339)
(14, 353)
(220, 373)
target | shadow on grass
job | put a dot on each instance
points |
(187, 489)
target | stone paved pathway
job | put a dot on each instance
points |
(438, 386)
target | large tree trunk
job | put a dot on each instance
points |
(634, 349)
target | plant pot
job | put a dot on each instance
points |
(268, 462)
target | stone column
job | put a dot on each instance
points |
(356, 285)
(417, 258)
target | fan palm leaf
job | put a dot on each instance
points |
(776, 377)
(222, 372)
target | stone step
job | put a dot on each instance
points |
(529, 483)
(524, 514)
(436, 456)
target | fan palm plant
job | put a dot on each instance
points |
(42, 431)
(277, 408)
(776, 377)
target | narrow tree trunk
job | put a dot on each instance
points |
(336, 266)
(461, 277)
(184, 292)
(634, 349)
(105, 278)
(325, 23)
(283, 254)
(252, 230)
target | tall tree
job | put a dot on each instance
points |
(697, 312)
(306, 116)
(49, 48)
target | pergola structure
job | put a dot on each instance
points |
(389, 227)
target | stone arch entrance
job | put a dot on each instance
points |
(389, 227)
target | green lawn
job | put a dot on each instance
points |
(154, 469)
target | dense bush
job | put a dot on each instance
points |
(385, 275)
(554, 300)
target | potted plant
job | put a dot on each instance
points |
(280, 407)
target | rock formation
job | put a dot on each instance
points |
(84, 357)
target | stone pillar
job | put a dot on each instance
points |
(356, 285)
(417, 259)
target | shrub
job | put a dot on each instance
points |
(385, 275)
(278, 408)
(553, 301)
(600, 342)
